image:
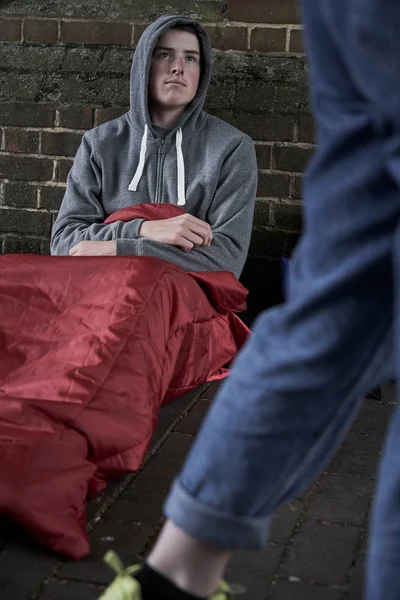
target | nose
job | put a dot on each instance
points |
(178, 66)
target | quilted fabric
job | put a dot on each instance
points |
(89, 350)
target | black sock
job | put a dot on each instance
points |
(157, 587)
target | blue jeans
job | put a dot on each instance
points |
(298, 384)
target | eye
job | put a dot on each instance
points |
(164, 54)
(191, 58)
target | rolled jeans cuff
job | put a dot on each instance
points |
(208, 524)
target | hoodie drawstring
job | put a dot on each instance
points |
(181, 168)
(180, 165)
(139, 171)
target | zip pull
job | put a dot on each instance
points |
(161, 148)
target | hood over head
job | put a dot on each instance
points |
(140, 71)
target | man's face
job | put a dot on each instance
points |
(175, 70)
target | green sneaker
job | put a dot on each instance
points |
(126, 587)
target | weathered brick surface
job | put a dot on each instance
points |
(51, 196)
(64, 167)
(103, 115)
(40, 31)
(297, 187)
(22, 244)
(15, 57)
(287, 216)
(306, 129)
(84, 32)
(268, 39)
(10, 30)
(20, 195)
(228, 38)
(264, 155)
(25, 167)
(262, 213)
(76, 117)
(23, 115)
(20, 221)
(261, 127)
(264, 11)
(61, 143)
(206, 10)
(291, 158)
(70, 71)
(296, 41)
(273, 185)
(21, 140)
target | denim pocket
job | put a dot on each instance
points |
(375, 29)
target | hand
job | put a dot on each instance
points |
(186, 232)
(94, 249)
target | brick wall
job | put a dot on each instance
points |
(64, 67)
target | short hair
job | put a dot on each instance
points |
(189, 28)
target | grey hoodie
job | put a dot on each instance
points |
(203, 164)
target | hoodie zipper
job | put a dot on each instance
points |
(160, 163)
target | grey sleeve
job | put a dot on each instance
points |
(230, 216)
(81, 214)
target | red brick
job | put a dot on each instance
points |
(297, 187)
(76, 117)
(21, 140)
(107, 114)
(228, 38)
(296, 41)
(268, 39)
(64, 167)
(10, 30)
(264, 11)
(273, 185)
(263, 156)
(85, 32)
(291, 158)
(40, 31)
(51, 197)
(306, 128)
(268, 127)
(23, 221)
(287, 216)
(20, 194)
(63, 143)
(27, 115)
(262, 213)
(26, 168)
(31, 245)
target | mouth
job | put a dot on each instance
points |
(175, 82)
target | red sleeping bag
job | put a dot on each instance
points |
(89, 350)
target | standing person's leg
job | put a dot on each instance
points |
(375, 28)
(296, 387)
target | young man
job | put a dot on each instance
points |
(297, 386)
(166, 149)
